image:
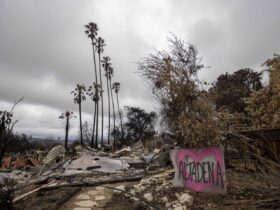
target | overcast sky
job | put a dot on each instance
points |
(44, 51)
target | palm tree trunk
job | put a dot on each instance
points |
(4, 139)
(94, 60)
(97, 114)
(96, 103)
(80, 115)
(93, 127)
(101, 94)
(120, 117)
(114, 115)
(66, 132)
(109, 110)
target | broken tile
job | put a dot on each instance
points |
(80, 208)
(99, 197)
(100, 188)
(85, 203)
(83, 197)
(92, 192)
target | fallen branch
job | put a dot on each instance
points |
(92, 184)
(30, 192)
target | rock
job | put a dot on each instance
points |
(137, 187)
(177, 195)
(186, 198)
(83, 197)
(86, 203)
(143, 188)
(167, 205)
(158, 188)
(148, 196)
(132, 191)
(164, 199)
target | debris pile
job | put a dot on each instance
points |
(131, 178)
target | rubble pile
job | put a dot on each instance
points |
(160, 190)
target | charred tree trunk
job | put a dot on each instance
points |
(66, 132)
(80, 116)
(114, 115)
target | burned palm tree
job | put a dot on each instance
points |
(100, 44)
(91, 32)
(107, 65)
(94, 93)
(67, 115)
(79, 96)
(110, 75)
(116, 87)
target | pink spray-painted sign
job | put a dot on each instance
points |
(201, 170)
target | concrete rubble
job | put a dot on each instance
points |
(88, 167)
(132, 177)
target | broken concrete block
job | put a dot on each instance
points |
(186, 199)
(165, 199)
(167, 205)
(148, 196)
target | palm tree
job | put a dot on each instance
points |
(66, 115)
(91, 32)
(100, 49)
(110, 75)
(94, 92)
(79, 96)
(106, 65)
(116, 86)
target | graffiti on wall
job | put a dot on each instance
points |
(201, 170)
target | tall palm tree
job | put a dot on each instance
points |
(66, 115)
(100, 49)
(94, 92)
(106, 65)
(91, 32)
(116, 87)
(79, 96)
(110, 75)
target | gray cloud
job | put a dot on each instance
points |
(44, 52)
